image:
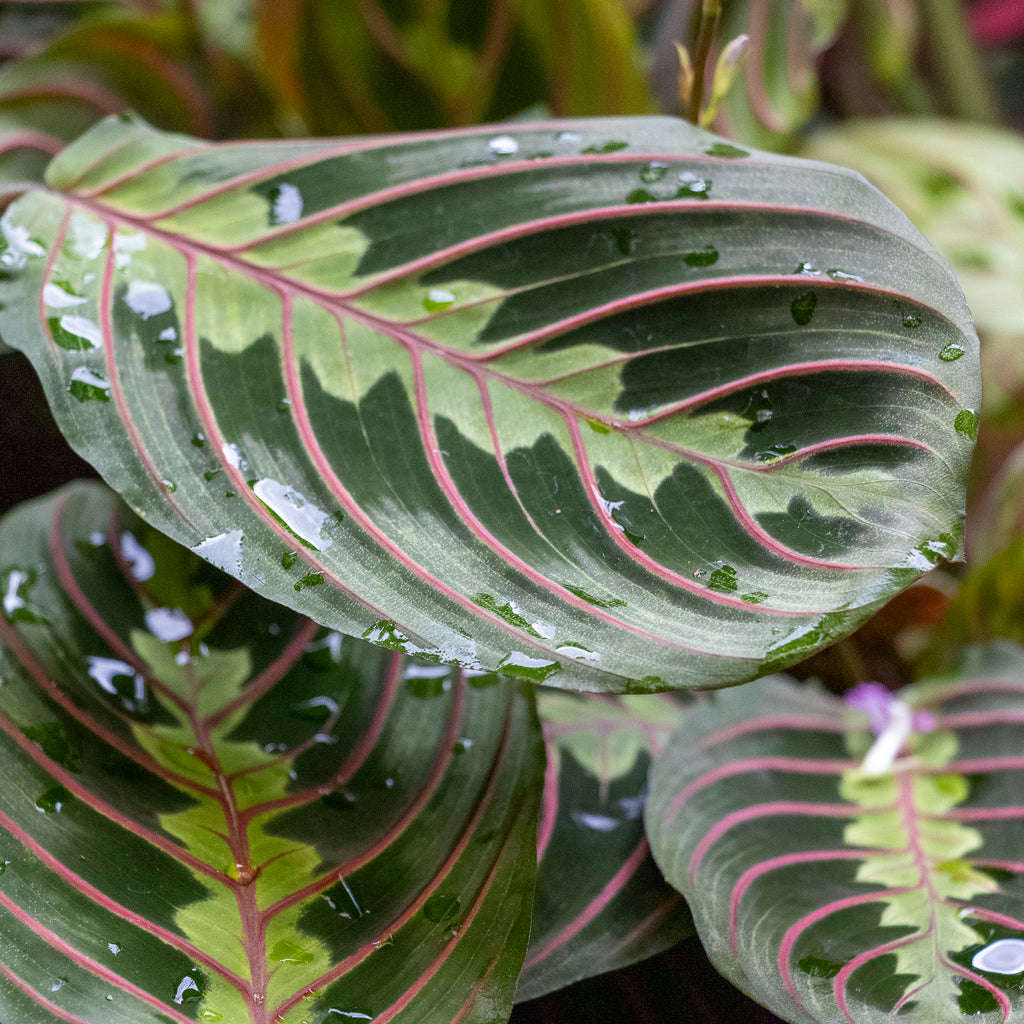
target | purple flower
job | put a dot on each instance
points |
(892, 721)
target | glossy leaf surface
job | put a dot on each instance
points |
(214, 810)
(832, 893)
(601, 902)
(603, 405)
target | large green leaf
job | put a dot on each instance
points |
(212, 809)
(832, 889)
(601, 902)
(602, 404)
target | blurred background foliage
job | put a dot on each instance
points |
(924, 97)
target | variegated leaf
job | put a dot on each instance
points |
(607, 404)
(835, 889)
(214, 810)
(601, 902)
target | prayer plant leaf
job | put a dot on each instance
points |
(214, 810)
(605, 404)
(834, 889)
(601, 902)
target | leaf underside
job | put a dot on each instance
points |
(213, 809)
(602, 404)
(829, 894)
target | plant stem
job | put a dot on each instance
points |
(955, 60)
(710, 13)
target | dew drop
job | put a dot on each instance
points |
(438, 299)
(57, 984)
(802, 308)
(910, 321)
(299, 514)
(702, 258)
(169, 624)
(224, 551)
(652, 172)
(952, 352)
(1004, 956)
(966, 423)
(233, 455)
(13, 600)
(723, 580)
(53, 800)
(88, 386)
(188, 990)
(568, 138)
(726, 151)
(578, 653)
(147, 299)
(286, 205)
(693, 186)
(311, 579)
(60, 297)
(288, 559)
(521, 666)
(842, 275)
(502, 145)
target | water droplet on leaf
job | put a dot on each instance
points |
(652, 172)
(502, 145)
(966, 423)
(53, 800)
(703, 258)
(147, 299)
(726, 151)
(952, 352)
(1004, 956)
(300, 515)
(286, 204)
(802, 308)
(88, 386)
(311, 579)
(438, 299)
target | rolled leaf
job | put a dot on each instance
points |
(601, 902)
(836, 876)
(606, 404)
(212, 809)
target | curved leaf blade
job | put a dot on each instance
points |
(828, 891)
(601, 903)
(214, 809)
(537, 413)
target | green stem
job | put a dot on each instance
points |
(710, 13)
(956, 65)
